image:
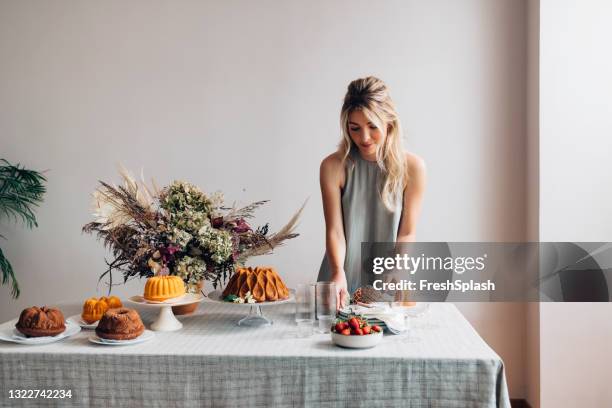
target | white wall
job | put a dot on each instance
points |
(532, 310)
(575, 194)
(244, 96)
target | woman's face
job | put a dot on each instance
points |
(365, 134)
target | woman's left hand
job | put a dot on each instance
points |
(342, 295)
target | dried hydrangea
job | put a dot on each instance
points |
(180, 237)
(190, 220)
(182, 196)
(191, 270)
(217, 242)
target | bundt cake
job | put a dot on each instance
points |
(263, 283)
(93, 308)
(113, 302)
(160, 288)
(120, 324)
(41, 321)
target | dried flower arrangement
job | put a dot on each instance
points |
(177, 230)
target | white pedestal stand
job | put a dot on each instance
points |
(166, 321)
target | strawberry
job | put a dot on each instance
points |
(376, 328)
(366, 329)
(341, 326)
(354, 323)
(358, 332)
(346, 332)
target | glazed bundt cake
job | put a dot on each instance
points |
(164, 287)
(93, 308)
(263, 283)
(41, 321)
(120, 324)
(113, 302)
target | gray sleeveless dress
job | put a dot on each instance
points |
(365, 217)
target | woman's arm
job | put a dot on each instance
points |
(413, 197)
(332, 180)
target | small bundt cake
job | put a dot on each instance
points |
(113, 302)
(41, 321)
(160, 288)
(263, 283)
(120, 324)
(93, 308)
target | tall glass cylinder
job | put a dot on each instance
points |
(326, 305)
(305, 302)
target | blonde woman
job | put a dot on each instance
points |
(371, 188)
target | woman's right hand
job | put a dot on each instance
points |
(342, 295)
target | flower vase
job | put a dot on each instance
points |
(190, 307)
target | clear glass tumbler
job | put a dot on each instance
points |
(305, 308)
(326, 305)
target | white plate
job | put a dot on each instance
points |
(147, 335)
(357, 342)
(79, 320)
(345, 313)
(217, 296)
(185, 299)
(12, 335)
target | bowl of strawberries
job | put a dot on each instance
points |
(355, 332)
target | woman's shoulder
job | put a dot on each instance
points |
(415, 170)
(414, 163)
(332, 169)
(332, 162)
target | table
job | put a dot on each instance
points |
(214, 362)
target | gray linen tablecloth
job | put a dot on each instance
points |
(214, 362)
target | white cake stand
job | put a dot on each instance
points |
(255, 317)
(166, 321)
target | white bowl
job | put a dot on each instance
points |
(355, 341)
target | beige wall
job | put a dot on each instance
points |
(244, 96)
(575, 199)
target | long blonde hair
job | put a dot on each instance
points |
(371, 96)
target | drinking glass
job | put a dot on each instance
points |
(326, 305)
(416, 320)
(305, 308)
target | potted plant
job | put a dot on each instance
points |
(21, 191)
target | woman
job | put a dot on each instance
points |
(371, 188)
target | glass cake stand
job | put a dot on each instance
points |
(166, 321)
(255, 317)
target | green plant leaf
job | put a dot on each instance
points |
(21, 191)
(9, 274)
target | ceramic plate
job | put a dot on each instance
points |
(372, 321)
(12, 335)
(84, 325)
(147, 335)
(178, 301)
(216, 296)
